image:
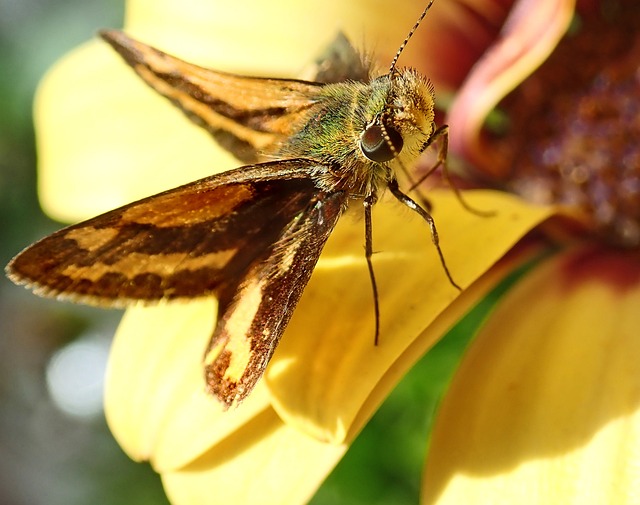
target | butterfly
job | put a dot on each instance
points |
(251, 236)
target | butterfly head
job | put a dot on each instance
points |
(404, 120)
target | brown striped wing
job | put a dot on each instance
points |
(191, 241)
(246, 115)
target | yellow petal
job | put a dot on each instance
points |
(264, 462)
(531, 32)
(274, 38)
(105, 140)
(545, 407)
(155, 399)
(327, 372)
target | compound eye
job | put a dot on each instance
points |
(374, 145)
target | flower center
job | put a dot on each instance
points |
(574, 125)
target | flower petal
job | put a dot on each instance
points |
(327, 372)
(155, 399)
(530, 33)
(275, 38)
(545, 407)
(454, 36)
(264, 462)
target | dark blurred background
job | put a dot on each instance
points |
(55, 448)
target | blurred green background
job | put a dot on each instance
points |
(55, 448)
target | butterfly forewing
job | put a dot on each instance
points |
(247, 115)
(250, 236)
(190, 241)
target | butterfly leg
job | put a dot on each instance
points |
(406, 200)
(369, 200)
(442, 133)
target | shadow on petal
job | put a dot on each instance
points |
(545, 406)
(264, 462)
(155, 399)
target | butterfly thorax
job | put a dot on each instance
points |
(331, 133)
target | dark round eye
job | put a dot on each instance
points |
(375, 147)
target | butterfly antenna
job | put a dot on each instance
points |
(392, 67)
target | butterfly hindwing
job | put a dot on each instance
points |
(251, 324)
